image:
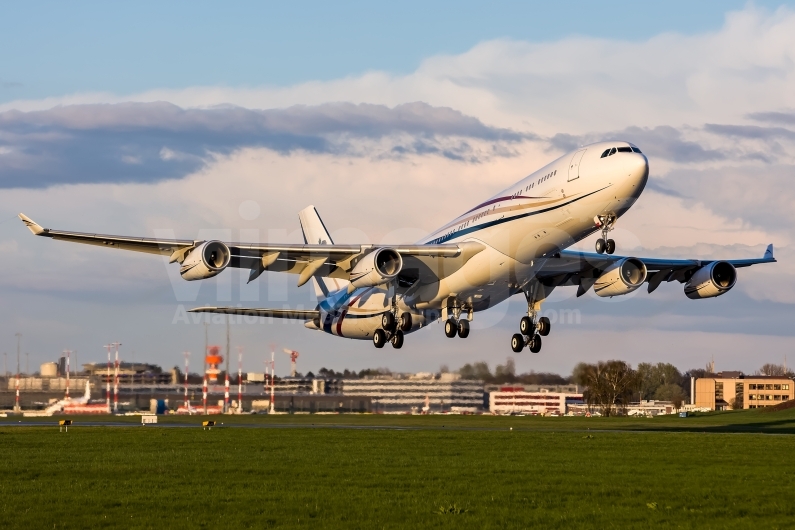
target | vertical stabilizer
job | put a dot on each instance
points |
(315, 233)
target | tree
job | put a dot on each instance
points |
(654, 376)
(610, 384)
(671, 392)
(505, 373)
(778, 370)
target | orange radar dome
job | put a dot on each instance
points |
(214, 359)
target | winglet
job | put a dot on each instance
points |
(31, 224)
(769, 252)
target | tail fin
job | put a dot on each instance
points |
(315, 233)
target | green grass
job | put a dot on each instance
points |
(443, 471)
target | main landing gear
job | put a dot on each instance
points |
(531, 333)
(455, 325)
(392, 330)
(532, 327)
(606, 223)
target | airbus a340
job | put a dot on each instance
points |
(515, 242)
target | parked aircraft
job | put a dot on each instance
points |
(513, 243)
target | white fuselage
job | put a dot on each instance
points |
(547, 211)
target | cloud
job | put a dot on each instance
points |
(145, 142)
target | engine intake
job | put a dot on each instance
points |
(711, 280)
(376, 268)
(205, 261)
(622, 277)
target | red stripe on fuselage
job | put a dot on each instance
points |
(342, 316)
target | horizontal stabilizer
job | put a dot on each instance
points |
(294, 314)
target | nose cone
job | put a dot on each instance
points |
(637, 171)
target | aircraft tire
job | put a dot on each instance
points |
(450, 328)
(610, 246)
(397, 340)
(517, 342)
(526, 326)
(405, 322)
(600, 246)
(379, 338)
(544, 326)
(535, 343)
(388, 321)
(463, 328)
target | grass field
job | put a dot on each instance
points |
(729, 470)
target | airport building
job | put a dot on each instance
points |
(422, 392)
(735, 390)
(519, 400)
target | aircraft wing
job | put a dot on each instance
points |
(335, 261)
(582, 268)
(293, 314)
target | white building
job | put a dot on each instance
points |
(515, 399)
(417, 393)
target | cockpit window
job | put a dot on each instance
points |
(614, 150)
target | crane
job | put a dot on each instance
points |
(293, 357)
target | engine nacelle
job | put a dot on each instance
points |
(205, 261)
(622, 277)
(711, 280)
(376, 268)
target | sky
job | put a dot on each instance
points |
(206, 120)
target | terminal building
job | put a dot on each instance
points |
(422, 392)
(728, 390)
(523, 400)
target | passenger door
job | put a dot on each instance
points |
(574, 165)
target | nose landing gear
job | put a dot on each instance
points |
(606, 223)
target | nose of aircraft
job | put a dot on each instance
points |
(637, 171)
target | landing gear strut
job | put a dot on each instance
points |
(606, 223)
(532, 327)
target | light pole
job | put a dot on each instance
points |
(19, 339)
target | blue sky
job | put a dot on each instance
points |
(176, 119)
(55, 48)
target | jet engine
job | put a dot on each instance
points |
(711, 280)
(622, 277)
(205, 261)
(376, 268)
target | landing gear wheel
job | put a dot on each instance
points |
(463, 328)
(379, 338)
(388, 321)
(526, 326)
(450, 328)
(544, 326)
(600, 246)
(405, 322)
(517, 343)
(397, 340)
(535, 343)
(610, 246)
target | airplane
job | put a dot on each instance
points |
(71, 405)
(514, 242)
